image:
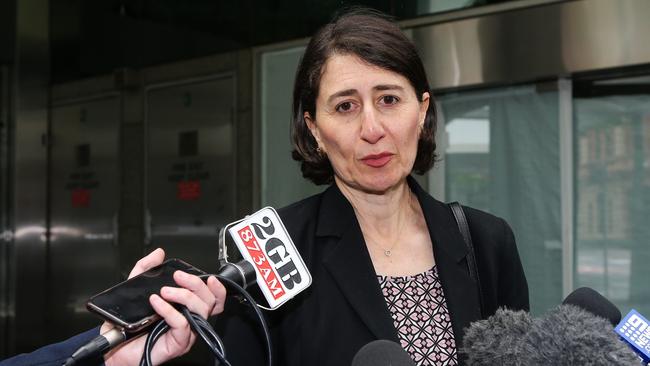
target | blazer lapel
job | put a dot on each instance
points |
(350, 265)
(461, 293)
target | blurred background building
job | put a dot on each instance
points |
(131, 124)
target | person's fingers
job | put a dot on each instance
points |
(197, 286)
(219, 293)
(151, 260)
(191, 300)
(179, 339)
(173, 318)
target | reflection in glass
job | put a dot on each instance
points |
(502, 157)
(281, 180)
(613, 197)
(468, 148)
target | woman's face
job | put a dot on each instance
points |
(368, 122)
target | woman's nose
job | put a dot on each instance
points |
(372, 129)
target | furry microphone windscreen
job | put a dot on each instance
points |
(569, 335)
(497, 340)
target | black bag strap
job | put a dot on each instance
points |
(461, 220)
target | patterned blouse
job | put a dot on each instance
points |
(421, 318)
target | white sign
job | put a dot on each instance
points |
(263, 240)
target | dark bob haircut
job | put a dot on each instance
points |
(374, 38)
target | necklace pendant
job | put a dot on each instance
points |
(387, 253)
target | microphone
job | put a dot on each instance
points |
(567, 335)
(270, 258)
(635, 331)
(497, 340)
(262, 239)
(590, 300)
(382, 353)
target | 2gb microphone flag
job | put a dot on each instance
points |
(263, 240)
(635, 330)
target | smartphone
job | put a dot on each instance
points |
(126, 304)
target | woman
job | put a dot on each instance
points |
(387, 260)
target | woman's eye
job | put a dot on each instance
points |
(344, 107)
(389, 99)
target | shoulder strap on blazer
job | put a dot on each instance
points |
(459, 214)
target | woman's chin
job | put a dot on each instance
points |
(381, 185)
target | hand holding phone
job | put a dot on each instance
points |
(126, 304)
(188, 290)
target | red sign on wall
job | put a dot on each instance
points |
(188, 190)
(80, 197)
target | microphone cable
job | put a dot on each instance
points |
(205, 331)
(200, 326)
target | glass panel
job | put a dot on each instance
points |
(502, 156)
(612, 183)
(282, 181)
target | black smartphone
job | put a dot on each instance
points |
(127, 304)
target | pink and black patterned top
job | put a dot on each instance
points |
(420, 315)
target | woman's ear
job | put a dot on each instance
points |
(424, 106)
(313, 128)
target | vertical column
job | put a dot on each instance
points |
(566, 181)
(5, 211)
(29, 254)
(131, 218)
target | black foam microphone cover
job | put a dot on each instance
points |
(382, 353)
(595, 303)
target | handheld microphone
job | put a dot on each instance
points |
(590, 300)
(635, 331)
(270, 258)
(382, 353)
(497, 340)
(567, 335)
(262, 239)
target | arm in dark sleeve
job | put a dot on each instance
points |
(512, 285)
(54, 354)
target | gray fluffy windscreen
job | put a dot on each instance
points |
(567, 335)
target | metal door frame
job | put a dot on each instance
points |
(6, 234)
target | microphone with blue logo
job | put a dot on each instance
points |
(634, 329)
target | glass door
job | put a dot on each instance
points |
(500, 153)
(612, 189)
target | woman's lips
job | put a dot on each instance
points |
(377, 160)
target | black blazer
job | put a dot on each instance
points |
(344, 308)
